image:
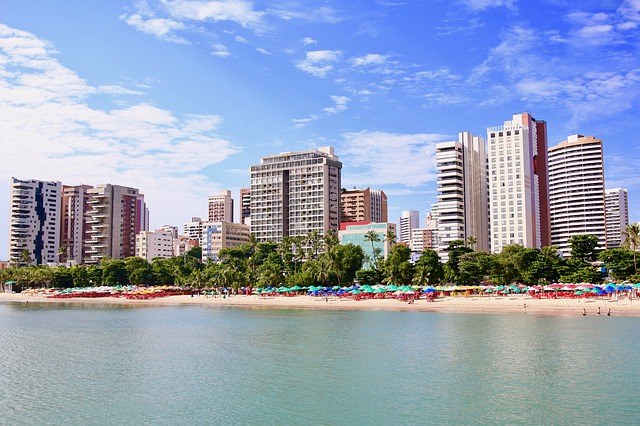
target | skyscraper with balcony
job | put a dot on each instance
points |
(117, 215)
(245, 206)
(363, 205)
(34, 221)
(576, 190)
(221, 207)
(74, 228)
(518, 183)
(462, 192)
(294, 193)
(409, 220)
(616, 207)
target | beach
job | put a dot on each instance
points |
(510, 304)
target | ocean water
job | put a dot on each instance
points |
(68, 364)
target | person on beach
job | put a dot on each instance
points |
(598, 310)
(584, 312)
(609, 313)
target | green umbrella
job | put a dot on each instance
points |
(355, 292)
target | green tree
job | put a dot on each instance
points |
(25, 258)
(391, 237)
(474, 267)
(632, 241)
(351, 258)
(114, 272)
(584, 247)
(369, 276)
(456, 249)
(428, 269)
(397, 269)
(619, 262)
(142, 276)
(373, 237)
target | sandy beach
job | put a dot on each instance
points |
(518, 304)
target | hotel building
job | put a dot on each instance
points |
(245, 206)
(409, 220)
(74, 228)
(576, 191)
(355, 234)
(616, 205)
(34, 221)
(152, 244)
(221, 207)
(294, 193)
(358, 205)
(518, 183)
(220, 235)
(117, 215)
(462, 192)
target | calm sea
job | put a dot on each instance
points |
(84, 365)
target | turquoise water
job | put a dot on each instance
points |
(83, 365)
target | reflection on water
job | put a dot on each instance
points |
(70, 364)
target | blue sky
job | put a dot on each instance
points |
(179, 97)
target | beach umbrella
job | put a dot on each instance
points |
(295, 288)
(488, 290)
(392, 287)
(355, 291)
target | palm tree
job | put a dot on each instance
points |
(62, 252)
(373, 237)
(330, 240)
(25, 257)
(391, 237)
(632, 241)
(471, 242)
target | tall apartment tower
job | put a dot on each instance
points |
(616, 206)
(221, 207)
(363, 205)
(518, 183)
(34, 223)
(462, 192)
(576, 190)
(73, 227)
(409, 220)
(294, 193)
(117, 215)
(152, 244)
(245, 206)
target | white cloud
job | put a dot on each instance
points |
(220, 50)
(45, 107)
(381, 158)
(307, 41)
(241, 39)
(162, 28)
(340, 104)
(322, 14)
(118, 90)
(369, 59)
(318, 62)
(238, 11)
(478, 5)
(263, 51)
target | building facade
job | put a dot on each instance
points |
(354, 233)
(34, 222)
(294, 193)
(152, 244)
(576, 191)
(245, 206)
(358, 205)
(409, 220)
(616, 207)
(117, 215)
(462, 192)
(221, 207)
(518, 183)
(193, 230)
(73, 227)
(220, 235)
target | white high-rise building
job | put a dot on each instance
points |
(576, 191)
(462, 192)
(518, 185)
(34, 223)
(74, 227)
(193, 230)
(221, 207)
(617, 215)
(152, 244)
(294, 193)
(409, 220)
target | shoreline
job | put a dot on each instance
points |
(512, 304)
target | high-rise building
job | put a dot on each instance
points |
(74, 228)
(359, 205)
(294, 193)
(576, 191)
(34, 223)
(409, 220)
(518, 183)
(245, 206)
(462, 192)
(193, 230)
(152, 244)
(117, 215)
(221, 207)
(616, 207)
(220, 235)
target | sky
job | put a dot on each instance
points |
(180, 97)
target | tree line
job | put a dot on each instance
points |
(321, 260)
